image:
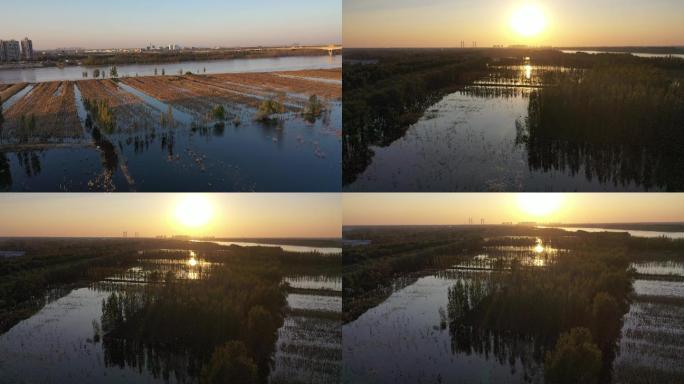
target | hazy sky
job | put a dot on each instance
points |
(495, 208)
(136, 23)
(444, 23)
(230, 214)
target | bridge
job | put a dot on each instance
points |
(332, 48)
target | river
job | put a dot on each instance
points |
(40, 75)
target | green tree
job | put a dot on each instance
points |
(259, 323)
(219, 113)
(575, 360)
(230, 364)
(113, 72)
(96, 73)
(155, 71)
(313, 108)
(606, 316)
(163, 72)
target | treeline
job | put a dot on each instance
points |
(381, 99)
(177, 57)
(616, 123)
(228, 321)
(24, 279)
(585, 294)
(370, 271)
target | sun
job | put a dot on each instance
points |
(540, 205)
(193, 211)
(528, 20)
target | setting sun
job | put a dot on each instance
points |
(193, 211)
(528, 21)
(539, 204)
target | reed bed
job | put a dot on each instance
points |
(46, 114)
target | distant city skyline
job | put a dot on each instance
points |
(201, 23)
(564, 23)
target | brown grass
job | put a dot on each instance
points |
(278, 83)
(200, 93)
(9, 90)
(54, 109)
(131, 112)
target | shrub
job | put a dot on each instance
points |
(575, 360)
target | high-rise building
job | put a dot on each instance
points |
(27, 49)
(2, 51)
(10, 50)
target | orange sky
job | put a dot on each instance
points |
(445, 23)
(495, 208)
(149, 214)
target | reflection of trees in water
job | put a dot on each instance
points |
(141, 323)
(490, 92)
(505, 348)
(158, 361)
(616, 125)
(29, 162)
(381, 100)
(5, 172)
(522, 312)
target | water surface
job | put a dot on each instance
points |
(40, 75)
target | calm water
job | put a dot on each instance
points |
(285, 247)
(291, 155)
(56, 345)
(635, 233)
(467, 142)
(39, 75)
(406, 330)
(680, 56)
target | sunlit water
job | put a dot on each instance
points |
(637, 54)
(285, 247)
(39, 75)
(635, 233)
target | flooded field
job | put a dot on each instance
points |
(431, 347)
(227, 132)
(309, 347)
(410, 331)
(496, 314)
(65, 340)
(475, 139)
(652, 344)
